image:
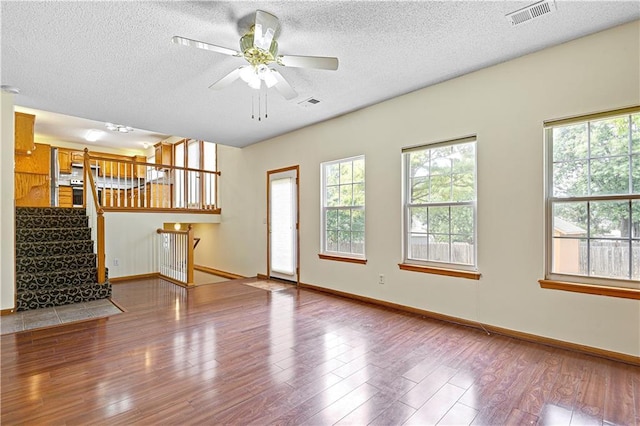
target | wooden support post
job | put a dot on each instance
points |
(190, 247)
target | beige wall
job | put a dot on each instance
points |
(504, 106)
(7, 227)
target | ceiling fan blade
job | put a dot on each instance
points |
(265, 29)
(317, 62)
(283, 87)
(206, 46)
(227, 79)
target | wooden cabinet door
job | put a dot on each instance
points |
(23, 133)
(65, 196)
(64, 160)
(38, 162)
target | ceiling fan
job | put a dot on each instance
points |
(259, 47)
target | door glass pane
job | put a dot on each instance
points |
(282, 232)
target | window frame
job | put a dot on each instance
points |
(432, 266)
(577, 282)
(326, 254)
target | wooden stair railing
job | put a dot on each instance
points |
(101, 258)
(176, 260)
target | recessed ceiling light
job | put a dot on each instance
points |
(93, 135)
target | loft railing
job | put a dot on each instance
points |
(132, 185)
(96, 216)
(175, 255)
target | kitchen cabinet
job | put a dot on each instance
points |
(31, 177)
(65, 196)
(113, 198)
(77, 157)
(64, 160)
(164, 153)
(119, 168)
(23, 133)
(158, 195)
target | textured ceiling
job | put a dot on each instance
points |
(113, 61)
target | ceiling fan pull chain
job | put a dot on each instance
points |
(253, 102)
(259, 109)
(266, 104)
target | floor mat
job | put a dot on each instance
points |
(271, 285)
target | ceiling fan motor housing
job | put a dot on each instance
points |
(254, 55)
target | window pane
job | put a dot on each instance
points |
(331, 220)
(635, 172)
(358, 170)
(332, 240)
(332, 174)
(570, 179)
(346, 198)
(418, 246)
(635, 218)
(462, 220)
(462, 249)
(609, 258)
(418, 217)
(333, 196)
(344, 220)
(194, 155)
(358, 194)
(357, 220)
(570, 142)
(440, 188)
(463, 158)
(635, 133)
(419, 163)
(570, 219)
(636, 261)
(439, 248)
(463, 187)
(609, 219)
(209, 156)
(357, 245)
(610, 137)
(346, 172)
(610, 176)
(420, 190)
(569, 256)
(441, 161)
(439, 220)
(344, 241)
(179, 155)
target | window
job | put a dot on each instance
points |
(343, 210)
(195, 154)
(593, 198)
(440, 205)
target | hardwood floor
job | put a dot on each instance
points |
(229, 353)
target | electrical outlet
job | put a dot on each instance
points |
(116, 262)
(381, 279)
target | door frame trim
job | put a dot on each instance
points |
(295, 168)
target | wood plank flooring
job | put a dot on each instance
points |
(229, 353)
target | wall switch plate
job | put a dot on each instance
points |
(381, 279)
(116, 262)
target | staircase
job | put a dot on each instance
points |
(55, 262)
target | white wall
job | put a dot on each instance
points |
(505, 107)
(131, 237)
(7, 212)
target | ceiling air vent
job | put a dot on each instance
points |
(309, 102)
(530, 12)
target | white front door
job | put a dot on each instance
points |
(282, 226)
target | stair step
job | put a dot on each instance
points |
(55, 263)
(50, 211)
(36, 235)
(34, 299)
(54, 248)
(50, 280)
(51, 221)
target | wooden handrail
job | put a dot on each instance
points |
(100, 219)
(170, 231)
(141, 163)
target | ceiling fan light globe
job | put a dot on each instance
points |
(255, 84)
(246, 74)
(269, 79)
